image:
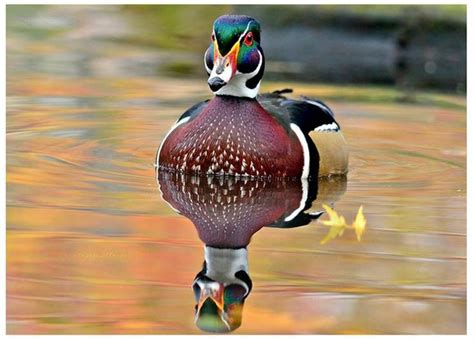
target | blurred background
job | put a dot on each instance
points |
(421, 46)
(93, 248)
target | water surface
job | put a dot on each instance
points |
(92, 247)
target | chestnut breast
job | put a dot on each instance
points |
(233, 136)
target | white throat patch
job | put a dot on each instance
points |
(222, 264)
(237, 85)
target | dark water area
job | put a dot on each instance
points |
(95, 244)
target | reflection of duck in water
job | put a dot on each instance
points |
(226, 213)
(237, 133)
(220, 289)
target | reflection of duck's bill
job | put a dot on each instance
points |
(210, 309)
(212, 292)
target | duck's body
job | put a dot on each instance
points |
(243, 139)
(239, 134)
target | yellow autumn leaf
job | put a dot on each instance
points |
(334, 218)
(336, 223)
(333, 232)
(359, 223)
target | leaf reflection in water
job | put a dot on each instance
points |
(337, 224)
(226, 212)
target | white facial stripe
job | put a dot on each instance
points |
(208, 70)
(246, 30)
(237, 86)
(241, 36)
(327, 127)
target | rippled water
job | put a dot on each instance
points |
(93, 247)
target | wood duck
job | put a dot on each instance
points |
(227, 211)
(238, 133)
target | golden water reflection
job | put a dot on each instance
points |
(92, 248)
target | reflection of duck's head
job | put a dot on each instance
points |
(220, 289)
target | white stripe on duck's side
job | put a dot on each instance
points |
(304, 197)
(304, 145)
(178, 123)
(331, 145)
(332, 149)
(304, 176)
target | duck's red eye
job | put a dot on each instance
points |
(248, 39)
(213, 37)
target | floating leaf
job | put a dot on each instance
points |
(337, 224)
(334, 218)
(359, 223)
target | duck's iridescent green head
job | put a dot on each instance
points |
(234, 59)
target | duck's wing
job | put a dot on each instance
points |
(309, 114)
(317, 123)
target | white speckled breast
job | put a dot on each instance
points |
(233, 136)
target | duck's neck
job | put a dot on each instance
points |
(225, 106)
(231, 99)
(238, 87)
(222, 264)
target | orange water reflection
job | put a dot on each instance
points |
(93, 248)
